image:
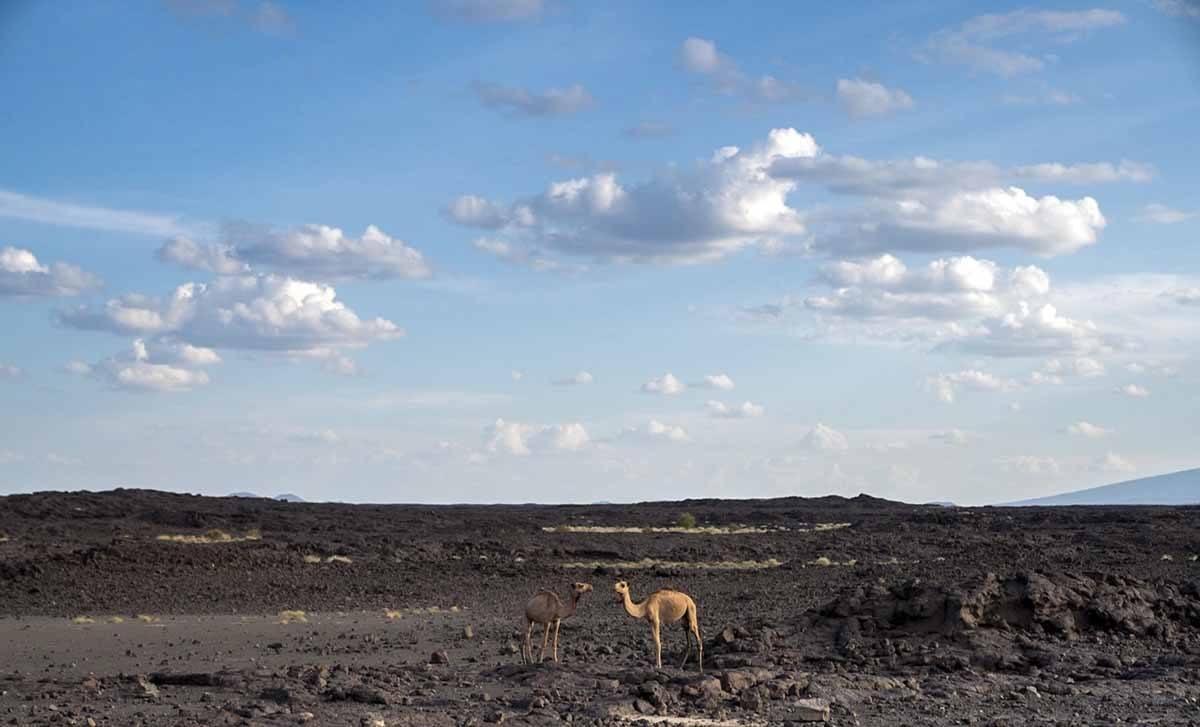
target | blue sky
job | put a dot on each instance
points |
(529, 250)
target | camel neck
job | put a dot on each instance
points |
(569, 610)
(637, 610)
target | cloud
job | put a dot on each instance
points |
(649, 130)
(311, 251)
(1033, 330)
(1054, 369)
(520, 255)
(66, 214)
(1135, 391)
(745, 410)
(9, 371)
(667, 385)
(582, 378)
(862, 98)
(518, 438)
(945, 289)
(715, 381)
(487, 11)
(270, 17)
(1087, 429)
(1184, 296)
(1031, 465)
(22, 275)
(7, 456)
(250, 312)
(340, 365)
(923, 177)
(963, 221)
(822, 438)
(518, 101)
(685, 216)
(975, 43)
(655, 431)
(1046, 97)
(948, 386)
(154, 366)
(1188, 9)
(1112, 462)
(951, 436)
(960, 303)
(1160, 214)
(265, 16)
(700, 56)
(214, 257)
(516, 375)
(739, 198)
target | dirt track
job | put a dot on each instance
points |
(1092, 615)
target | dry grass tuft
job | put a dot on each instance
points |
(3, 538)
(392, 614)
(338, 559)
(147, 618)
(1167, 556)
(212, 536)
(822, 561)
(116, 619)
(287, 617)
(83, 620)
(310, 558)
(1195, 558)
(638, 530)
(677, 565)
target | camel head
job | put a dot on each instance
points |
(621, 589)
(581, 588)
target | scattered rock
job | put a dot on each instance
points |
(439, 657)
(808, 710)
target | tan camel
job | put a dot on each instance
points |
(547, 608)
(665, 606)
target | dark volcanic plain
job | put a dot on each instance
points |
(902, 615)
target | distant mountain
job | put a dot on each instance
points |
(289, 497)
(244, 494)
(1177, 488)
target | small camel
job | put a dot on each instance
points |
(547, 608)
(665, 606)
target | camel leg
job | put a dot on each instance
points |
(527, 648)
(557, 623)
(657, 645)
(688, 636)
(699, 645)
(545, 641)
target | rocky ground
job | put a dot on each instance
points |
(855, 611)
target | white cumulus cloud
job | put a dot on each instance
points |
(862, 98)
(667, 384)
(745, 410)
(824, 438)
(22, 275)
(1087, 429)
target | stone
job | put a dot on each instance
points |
(736, 681)
(146, 690)
(468, 632)
(372, 720)
(439, 657)
(305, 717)
(643, 707)
(808, 710)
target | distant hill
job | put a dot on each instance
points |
(1176, 488)
(283, 497)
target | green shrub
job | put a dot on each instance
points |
(686, 520)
